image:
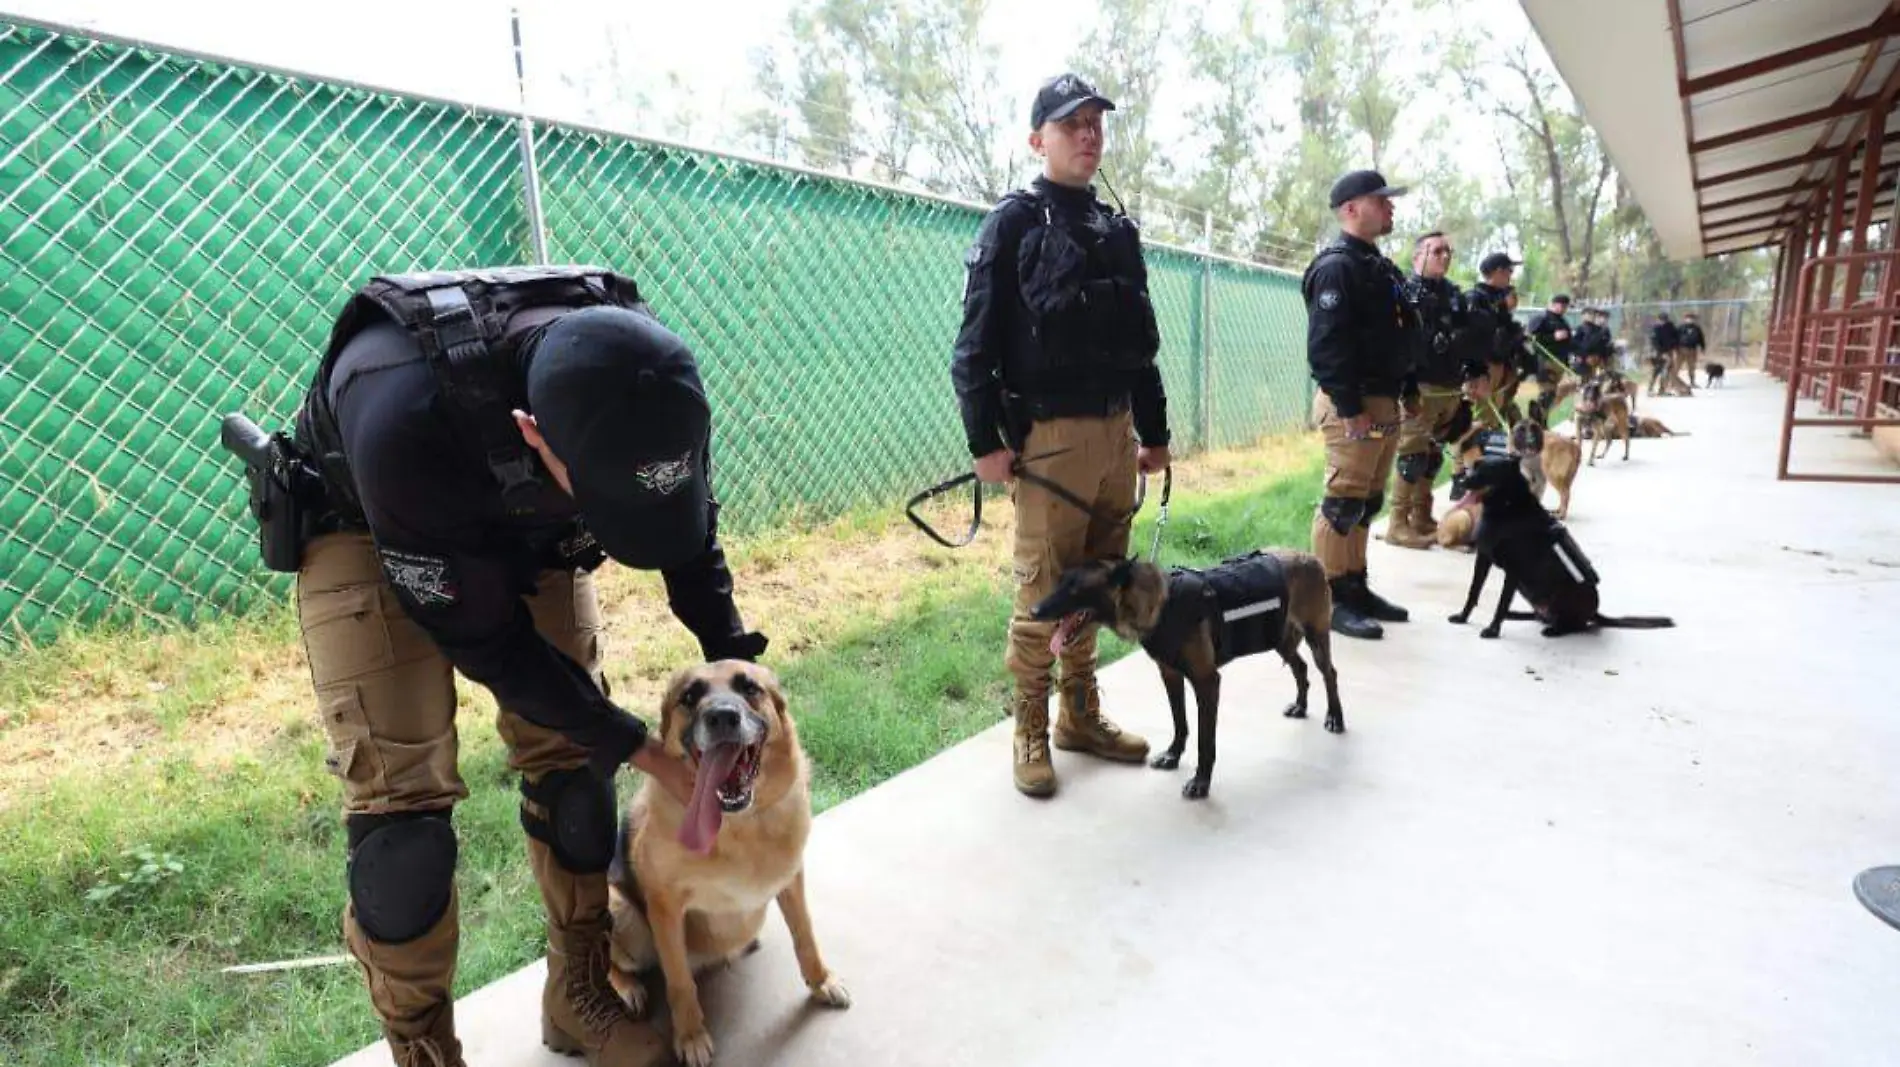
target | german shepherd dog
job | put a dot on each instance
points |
(1173, 616)
(1538, 557)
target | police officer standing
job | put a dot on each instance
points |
(1359, 348)
(1056, 354)
(1690, 344)
(1440, 309)
(1551, 346)
(487, 439)
(1663, 342)
(1487, 347)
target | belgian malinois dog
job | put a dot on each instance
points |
(1604, 408)
(1193, 622)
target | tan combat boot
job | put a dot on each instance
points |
(1081, 727)
(1422, 520)
(580, 1012)
(1400, 524)
(410, 988)
(1035, 775)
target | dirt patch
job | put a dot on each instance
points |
(100, 703)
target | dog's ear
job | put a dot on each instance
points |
(1122, 573)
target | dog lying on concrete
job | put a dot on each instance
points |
(1538, 557)
(1194, 622)
(1650, 426)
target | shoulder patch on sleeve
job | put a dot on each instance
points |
(1328, 299)
(427, 579)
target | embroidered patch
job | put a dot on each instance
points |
(1329, 300)
(425, 578)
(663, 477)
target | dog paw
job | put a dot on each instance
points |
(1166, 761)
(694, 1048)
(1457, 620)
(1195, 789)
(634, 996)
(831, 993)
(1296, 711)
(1335, 723)
(1488, 632)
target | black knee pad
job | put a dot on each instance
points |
(401, 872)
(1342, 512)
(579, 825)
(1373, 507)
(1414, 466)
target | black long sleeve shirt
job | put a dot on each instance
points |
(995, 349)
(462, 568)
(1360, 331)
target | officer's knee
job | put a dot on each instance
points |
(1415, 466)
(1436, 461)
(1342, 513)
(576, 820)
(401, 872)
(1373, 506)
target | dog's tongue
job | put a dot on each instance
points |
(703, 814)
(1064, 630)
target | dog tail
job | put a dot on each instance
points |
(1636, 622)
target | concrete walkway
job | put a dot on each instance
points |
(1627, 848)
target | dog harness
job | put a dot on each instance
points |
(1244, 597)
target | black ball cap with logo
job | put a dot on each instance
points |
(1063, 95)
(619, 400)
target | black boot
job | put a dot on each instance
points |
(1348, 617)
(1375, 605)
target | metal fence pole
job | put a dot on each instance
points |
(1206, 354)
(530, 172)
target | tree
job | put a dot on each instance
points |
(1123, 56)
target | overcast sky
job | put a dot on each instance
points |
(706, 44)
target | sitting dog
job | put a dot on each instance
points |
(1194, 622)
(1603, 414)
(1714, 372)
(689, 883)
(1546, 457)
(1538, 557)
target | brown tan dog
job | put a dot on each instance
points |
(690, 883)
(1546, 457)
(1603, 413)
(1649, 426)
(1460, 525)
(1192, 623)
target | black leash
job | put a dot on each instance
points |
(1020, 470)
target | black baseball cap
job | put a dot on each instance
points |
(1363, 183)
(1059, 98)
(618, 398)
(1498, 261)
(1560, 298)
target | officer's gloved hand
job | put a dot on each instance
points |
(747, 646)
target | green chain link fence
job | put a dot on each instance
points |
(179, 232)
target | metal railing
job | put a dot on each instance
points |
(1840, 356)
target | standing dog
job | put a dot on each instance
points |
(690, 883)
(1192, 623)
(1603, 414)
(1538, 557)
(1714, 372)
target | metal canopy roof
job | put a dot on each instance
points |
(1729, 118)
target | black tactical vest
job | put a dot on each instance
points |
(1083, 298)
(1440, 308)
(460, 320)
(1243, 597)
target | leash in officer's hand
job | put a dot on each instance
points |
(1161, 520)
(1020, 470)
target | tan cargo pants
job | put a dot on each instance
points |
(1355, 470)
(386, 693)
(1416, 437)
(1052, 535)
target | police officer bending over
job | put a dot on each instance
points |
(1440, 309)
(1057, 353)
(487, 439)
(1360, 333)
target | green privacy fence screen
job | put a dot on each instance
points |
(178, 232)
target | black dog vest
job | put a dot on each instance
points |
(1245, 599)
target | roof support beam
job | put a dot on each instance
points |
(1869, 190)
(1819, 155)
(1881, 27)
(1837, 110)
(1767, 194)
